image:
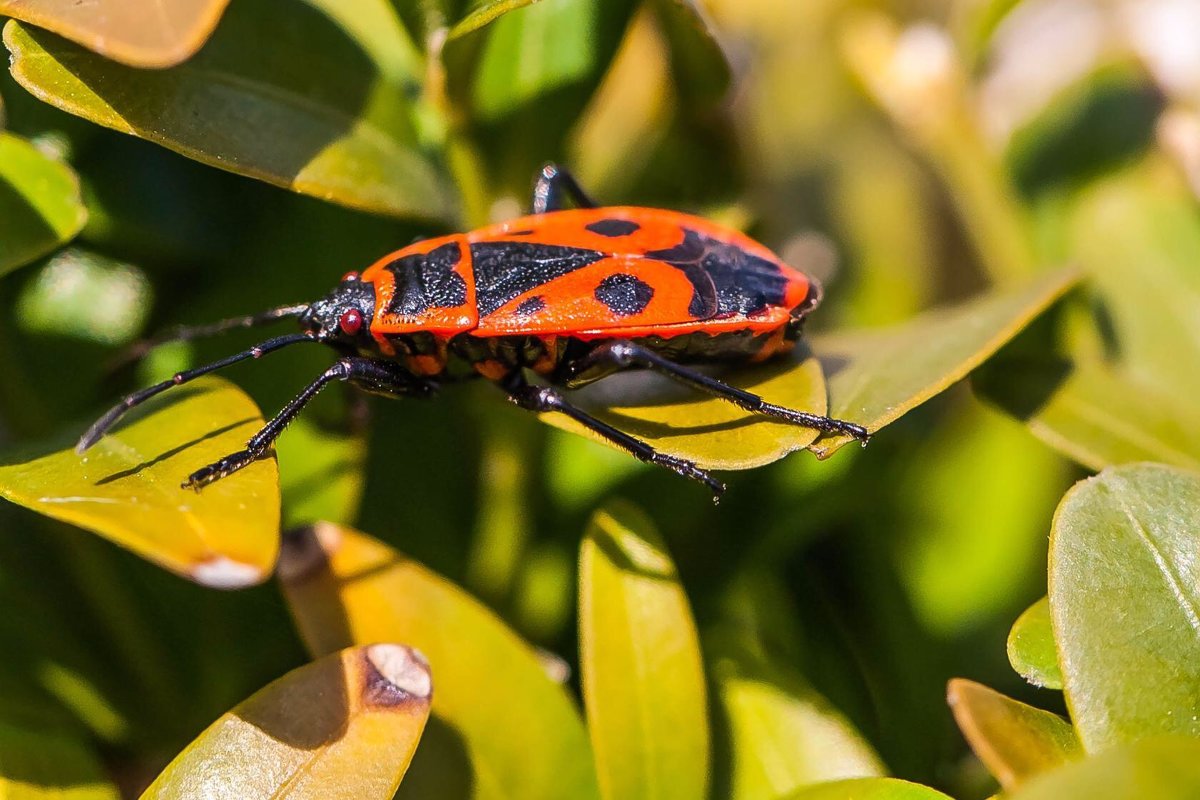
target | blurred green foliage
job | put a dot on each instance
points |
(935, 164)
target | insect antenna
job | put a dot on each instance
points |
(100, 426)
(186, 333)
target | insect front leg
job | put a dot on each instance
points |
(623, 354)
(542, 398)
(552, 182)
(377, 377)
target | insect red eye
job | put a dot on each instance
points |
(351, 321)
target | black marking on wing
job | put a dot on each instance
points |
(613, 227)
(504, 270)
(744, 283)
(625, 295)
(525, 232)
(529, 307)
(427, 281)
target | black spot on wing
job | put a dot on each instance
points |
(613, 227)
(504, 270)
(527, 308)
(744, 283)
(427, 281)
(525, 232)
(625, 295)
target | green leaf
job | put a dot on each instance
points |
(783, 734)
(1031, 647)
(321, 473)
(346, 726)
(35, 765)
(701, 70)
(643, 679)
(1125, 603)
(481, 12)
(318, 111)
(127, 487)
(714, 433)
(1163, 768)
(868, 789)
(40, 205)
(1013, 740)
(877, 375)
(141, 33)
(344, 587)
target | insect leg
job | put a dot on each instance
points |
(552, 182)
(185, 333)
(379, 377)
(100, 426)
(623, 354)
(541, 399)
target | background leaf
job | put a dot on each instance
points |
(144, 33)
(1031, 647)
(867, 789)
(346, 725)
(643, 678)
(40, 206)
(344, 587)
(127, 487)
(36, 764)
(1124, 594)
(1165, 767)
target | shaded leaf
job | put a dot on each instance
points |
(345, 587)
(143, 33)
(321, 473)
(35, 765)
(333, 123)
(783, 734)
(1124, 599)
(701, 70)
(1013, 740)
(876, 376)
(1165, 768)
(714, 433)
(868, 789)
(127, 487)
(40, 205)
(480, 12)
(643, 679)
(1031, 647)
(344, 726)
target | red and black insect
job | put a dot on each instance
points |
(571, 295)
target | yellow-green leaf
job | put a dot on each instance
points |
(643, 679)
(714, 433)
(315, 111)
(40, 206)
(481, 12)
(36, 765)
(1013, 740)
(1031, 647)
(1124, 594)
(345, 726)
(876, 376)
(868, 789)
(140, 33)
(1162, 768)
(502, 728)
(127, 487)
(321, 473)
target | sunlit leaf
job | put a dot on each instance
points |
(783, 734)
(875, 376)
(344, 726)
(1165, 768)
(867, 789)
(344, 587)
(335, 123)
(35, 765)
(1124, 593)
(1031, 647)
(127, 487)
(1013, 740)
(643, 679)
(143, 33)
(714, 433)
(40, 206)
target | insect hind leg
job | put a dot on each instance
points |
(552, 182)
(623, 354)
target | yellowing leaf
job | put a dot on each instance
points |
(1031, 647)
(127, 487)
(867, 789)
(1163, 768)
(343, 727)
(1013, 740)
(502, 728)
(40, 206)
(35, 765)
(140, 33)
(643, 679)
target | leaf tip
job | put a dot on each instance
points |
(395, 675)
(222, 572)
